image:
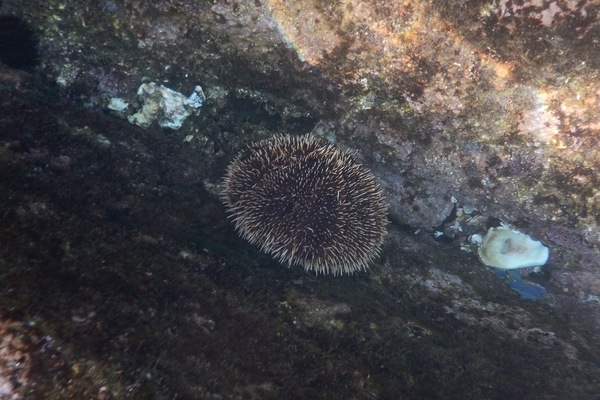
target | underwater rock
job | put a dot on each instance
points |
(489, 102)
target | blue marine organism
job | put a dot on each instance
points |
(527, 291)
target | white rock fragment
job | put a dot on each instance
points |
(476, 239)
(506, 248)
(168, 107)
(196, 99)
(117, 104)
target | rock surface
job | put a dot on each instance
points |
(122, 278)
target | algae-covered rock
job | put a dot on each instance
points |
(122, 278)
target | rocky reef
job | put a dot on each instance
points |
(122, 278)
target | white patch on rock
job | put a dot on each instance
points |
(117, 104)
(166, 106)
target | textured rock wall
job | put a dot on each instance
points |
(490, 107)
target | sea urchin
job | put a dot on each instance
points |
(307, 203)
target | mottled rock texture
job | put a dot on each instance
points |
(123, 279)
